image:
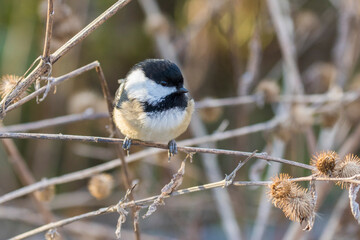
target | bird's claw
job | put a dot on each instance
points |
(126, 145)
(172, 148)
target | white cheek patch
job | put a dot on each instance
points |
(138, 86)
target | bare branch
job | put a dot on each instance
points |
(62, 120)
(42, 67)
(143, 202)
(49, 27)
(47, 136)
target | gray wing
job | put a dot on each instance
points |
(120, 95)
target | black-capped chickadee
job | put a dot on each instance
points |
(152, 104)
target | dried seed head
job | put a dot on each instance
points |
(301, 117)
(101, 185)
(280, 188)
(300, 206)
(319, 77)
(66, 22)
(306, 22)
(45, 194)
(295, 201)
(325, 162)
(83, 100)
(269, 88)
(52, 234)
(68, 27)
(329, 118)
(210, 115)
(348, 167)
(7, 83)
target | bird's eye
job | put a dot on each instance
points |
(163, 83)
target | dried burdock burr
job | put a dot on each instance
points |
(349, 166)
(45, 194)
(210, 115)
(280, 188)
(83, 100)
(330, 117)
(325, 163)
(101, 185)
(269, 89)
(306, 22)
(319, 77)
(295, 201)
(300, 119)
(7, 84)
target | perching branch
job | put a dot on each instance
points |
(136, 156)
(44, 136)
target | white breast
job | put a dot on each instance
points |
(164, 126)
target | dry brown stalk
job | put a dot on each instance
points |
(49, 27)
(42, 67)
(145, 201)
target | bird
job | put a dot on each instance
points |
(152, 104)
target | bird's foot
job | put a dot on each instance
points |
(172, 148)
(126, 145)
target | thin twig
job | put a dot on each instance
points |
(44, 136)
(42, 67)
(55, 81)
(115, 163)
(119, 150)
(62, 120)
(93, 230)
(230, 178)
(136, 156)
(281, 20)
(346, 97)
(25, 175)
(143, 202)
(49, 27)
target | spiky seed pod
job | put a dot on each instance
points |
(83, 100)
(280, 188)
(101, 185)
(329, 118)
(7, 83)
(283, 131)
(269, 88)
(211, 115)
(45, 194)
(325, 163)
(349, 166)
(295, 201)
(319, 77)
(52, 234)
(301, 117)
(299, 207)
(306, 22)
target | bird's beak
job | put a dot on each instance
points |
(182, 90)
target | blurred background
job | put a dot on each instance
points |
(226, 49)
